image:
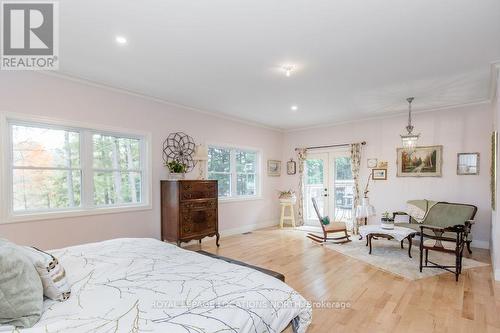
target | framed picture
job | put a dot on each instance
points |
(274, 168)
(382, 165)
(421, 162)
(468, 164)
(493, 170)
(291, 167)
(371, 163)
(379, 174)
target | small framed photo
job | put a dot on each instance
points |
(468, 164)
(371, 163)
(291, 167)
(379, 174)
(382, 165)
(274, 168)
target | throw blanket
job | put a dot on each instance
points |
(144, 285)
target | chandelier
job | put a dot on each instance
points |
(409, 140)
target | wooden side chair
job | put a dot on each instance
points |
(333, 227)
(432, 238)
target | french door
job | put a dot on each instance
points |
(328, 179)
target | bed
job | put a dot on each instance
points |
(144, 285)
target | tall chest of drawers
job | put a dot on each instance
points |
(189, 210)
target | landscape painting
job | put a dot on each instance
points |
(421, 162)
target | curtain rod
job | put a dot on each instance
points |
(331, 146)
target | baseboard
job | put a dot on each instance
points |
(239, 230)
(248, 228)
(496, 274)
(480, 244)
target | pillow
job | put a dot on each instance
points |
(21, 291)
(51, 272)
(325, 220)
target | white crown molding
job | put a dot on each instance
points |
(388, 116)
(125, 91)
(495, 67)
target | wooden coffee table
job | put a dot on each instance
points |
(376, 231)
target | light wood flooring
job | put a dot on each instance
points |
(379, 301)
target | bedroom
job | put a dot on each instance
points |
(251, 83)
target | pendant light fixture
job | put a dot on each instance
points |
(409, 140)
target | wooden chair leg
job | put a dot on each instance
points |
(421, 256)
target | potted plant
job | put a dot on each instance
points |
(387, 222)
(287, 196)
(176, 169)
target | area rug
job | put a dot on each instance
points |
(388, 256)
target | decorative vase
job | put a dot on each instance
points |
(176, 176)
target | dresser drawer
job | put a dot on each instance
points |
(198, 190)
(187, 206)
(198, 222)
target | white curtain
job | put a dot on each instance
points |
(355, 167)
(301, 156)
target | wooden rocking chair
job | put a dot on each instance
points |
(333, 227)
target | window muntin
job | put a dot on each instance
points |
(236, 170)
(55, 169)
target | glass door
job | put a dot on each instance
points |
(328, 179)
(315, 186)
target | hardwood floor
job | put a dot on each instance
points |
(379, 301)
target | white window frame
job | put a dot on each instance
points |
(87, 206)
(233, 174)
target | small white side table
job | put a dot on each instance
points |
(284, 217)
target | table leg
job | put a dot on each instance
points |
(370, 241)
(409, 246)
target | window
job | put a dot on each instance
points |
(46, 172)
(116, 170)
(53, 168)
(236, 170)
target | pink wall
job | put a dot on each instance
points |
(465, 129)
(61, 99)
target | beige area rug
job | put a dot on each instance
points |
(388, 256)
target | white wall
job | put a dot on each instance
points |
(53, 97)
(465, 129)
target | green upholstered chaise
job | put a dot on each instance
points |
(438, 214)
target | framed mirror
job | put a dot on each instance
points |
(468, 164)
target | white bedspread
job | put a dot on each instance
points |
(144, 285)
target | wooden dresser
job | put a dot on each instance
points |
(189, 210)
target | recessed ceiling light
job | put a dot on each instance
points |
(294, 108)
(288, 69)
(121, 40)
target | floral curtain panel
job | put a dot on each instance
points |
(301, 156)
(355, 167)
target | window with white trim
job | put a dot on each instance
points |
(54, 168)
(236, 170)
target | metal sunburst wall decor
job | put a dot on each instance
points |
(179, 147)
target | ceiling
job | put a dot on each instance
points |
(354, 59)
